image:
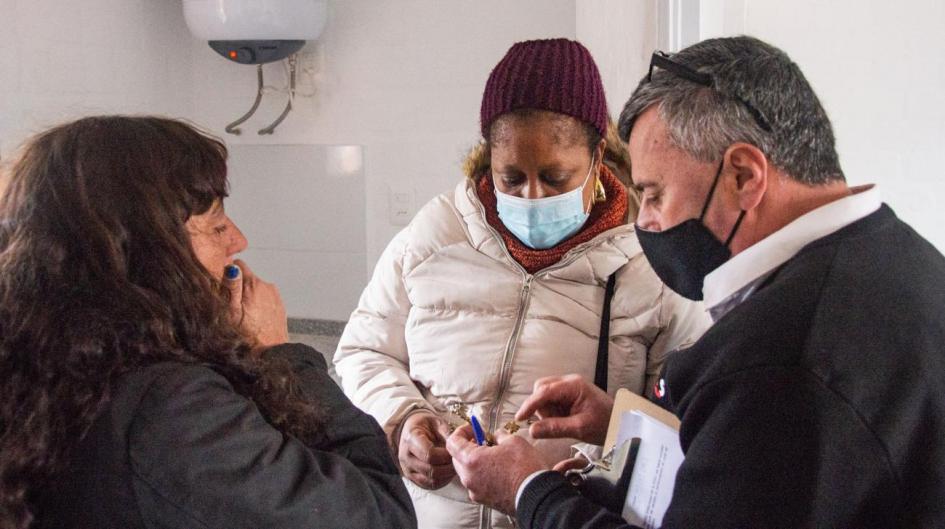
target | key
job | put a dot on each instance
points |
(461, 411)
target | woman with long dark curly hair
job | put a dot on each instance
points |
(144, 381)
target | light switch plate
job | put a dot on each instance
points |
(401, 206)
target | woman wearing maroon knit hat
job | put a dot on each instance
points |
(507, 279)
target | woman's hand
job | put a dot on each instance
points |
(422, 451)
(257, 306)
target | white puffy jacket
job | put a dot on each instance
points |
(449, 317)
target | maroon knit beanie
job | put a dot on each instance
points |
(555, 74)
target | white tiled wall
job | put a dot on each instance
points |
(302, 209)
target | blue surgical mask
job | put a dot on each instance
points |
(541, 223)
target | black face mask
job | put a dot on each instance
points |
(683, 255)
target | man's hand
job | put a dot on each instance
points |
(567, 406)
(422, 453)
(574, 463)
(493, 474)
(257, 307)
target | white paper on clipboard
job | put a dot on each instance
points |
(654, 469)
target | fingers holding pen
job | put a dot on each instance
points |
(233, 280)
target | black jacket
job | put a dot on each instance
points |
(177, 447)
(818, 402)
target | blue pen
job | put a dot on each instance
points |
(477, 430)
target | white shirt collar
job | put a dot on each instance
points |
(735, 280)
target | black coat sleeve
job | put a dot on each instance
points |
(203, 455)
(550, 502)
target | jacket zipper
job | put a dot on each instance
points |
(505, 375)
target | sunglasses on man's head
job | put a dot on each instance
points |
(662, 61)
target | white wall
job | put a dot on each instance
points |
(877, 67)
(60, 60)
(621, 35)
(403, 79)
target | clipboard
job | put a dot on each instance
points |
(624, 401)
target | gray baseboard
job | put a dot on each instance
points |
(317, 327)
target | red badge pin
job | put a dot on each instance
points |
(659, 389)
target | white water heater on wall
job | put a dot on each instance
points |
(255, 19)
(257, 32)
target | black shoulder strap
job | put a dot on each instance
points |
(603, 346)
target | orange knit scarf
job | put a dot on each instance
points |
(604, 216)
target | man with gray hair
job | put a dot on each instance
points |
(817, 398)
